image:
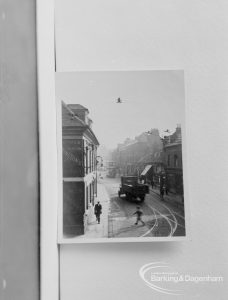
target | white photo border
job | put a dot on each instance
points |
(63, 240)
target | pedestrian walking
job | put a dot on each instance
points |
(152, 183)
(98, 211)
(138, 214)
(161, 192)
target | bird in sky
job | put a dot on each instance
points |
(119, 100)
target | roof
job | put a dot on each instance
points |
(69, 118)
(123, 147)
(77, 106)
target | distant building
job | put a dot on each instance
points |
(148, 157)
(173, 161)
(132, 155)
(164, 167)
(79, 154)
(155, 169)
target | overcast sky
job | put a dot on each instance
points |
(151, 99)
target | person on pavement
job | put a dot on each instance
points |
(162, 192)
(98, 211)
(152, 183)
(138, 214)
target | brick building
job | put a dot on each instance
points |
(79, 155)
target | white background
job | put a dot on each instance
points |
(147, 34)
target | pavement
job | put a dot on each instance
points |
(171, 197)
(95, 230)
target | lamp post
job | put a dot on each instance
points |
(101, 160)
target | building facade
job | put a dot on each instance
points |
(153, 159)
(132, 155)
(156, 171)
(173, 161)
(79, 156)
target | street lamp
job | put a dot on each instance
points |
(101, 160)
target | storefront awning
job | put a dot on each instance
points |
(146, 170)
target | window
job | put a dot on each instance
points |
(86, 165)
(87, 198)
(175, 161)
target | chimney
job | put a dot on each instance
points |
(178, 133)
(90, 123)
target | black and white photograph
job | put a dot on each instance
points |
(121, 155)
(113, 149)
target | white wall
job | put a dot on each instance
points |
(19, 168)
(148, 34)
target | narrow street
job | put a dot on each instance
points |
(161, 218)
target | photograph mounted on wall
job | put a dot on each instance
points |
(121, 156)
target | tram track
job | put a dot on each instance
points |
(162, 220)
(172, 212)
(170, 218)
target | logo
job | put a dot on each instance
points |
(160, 277)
